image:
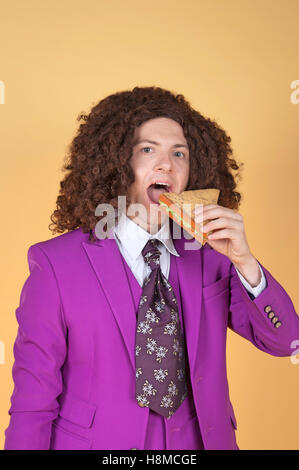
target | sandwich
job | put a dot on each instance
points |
(180, 208)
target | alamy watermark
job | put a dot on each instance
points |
(2, 355)
(294, 98)
(138, 212)
(295, 344)
(2, 92)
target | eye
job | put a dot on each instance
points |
(146, 148)
(182, 154)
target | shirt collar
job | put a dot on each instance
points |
(134, 237)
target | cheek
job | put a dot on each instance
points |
(138, 167)
(137, 187)
(184, 174)
(141, 173)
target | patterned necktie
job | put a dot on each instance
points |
(160, 347)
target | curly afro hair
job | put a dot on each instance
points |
(98, 157)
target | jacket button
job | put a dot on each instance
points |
(277, 324)
(274, 319)
(271, 315)
(268, 308)
(134, 448)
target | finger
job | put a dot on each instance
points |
(225, 233)
(212, 212)
(221, 223)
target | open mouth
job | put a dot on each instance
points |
(154, 191)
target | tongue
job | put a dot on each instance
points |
(154, 193)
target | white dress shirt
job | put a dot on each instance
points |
(131, 239)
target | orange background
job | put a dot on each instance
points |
(235, 62)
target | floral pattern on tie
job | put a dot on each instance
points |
(159, 339)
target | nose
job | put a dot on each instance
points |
(164, 162)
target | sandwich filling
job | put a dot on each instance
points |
(177, 217)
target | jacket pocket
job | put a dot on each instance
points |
(77, 411)
(71, 430)
(218, 287)
(62, 439)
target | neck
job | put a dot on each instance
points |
(151, 228)
(153, 222)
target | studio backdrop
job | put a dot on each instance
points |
(236, 62)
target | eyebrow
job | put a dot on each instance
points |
(157, 143)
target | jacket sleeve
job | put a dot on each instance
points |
(250, 316)
(39, 353)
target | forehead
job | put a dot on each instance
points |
(159, 128)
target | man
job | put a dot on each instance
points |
(75, 371)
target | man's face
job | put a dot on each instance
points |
(160, 153)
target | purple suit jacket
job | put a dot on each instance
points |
(74, 369)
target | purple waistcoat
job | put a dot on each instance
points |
(161, 433)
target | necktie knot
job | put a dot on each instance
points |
(151, 254)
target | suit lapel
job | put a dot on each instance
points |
(106, 261)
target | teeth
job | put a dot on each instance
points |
(164, 184)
